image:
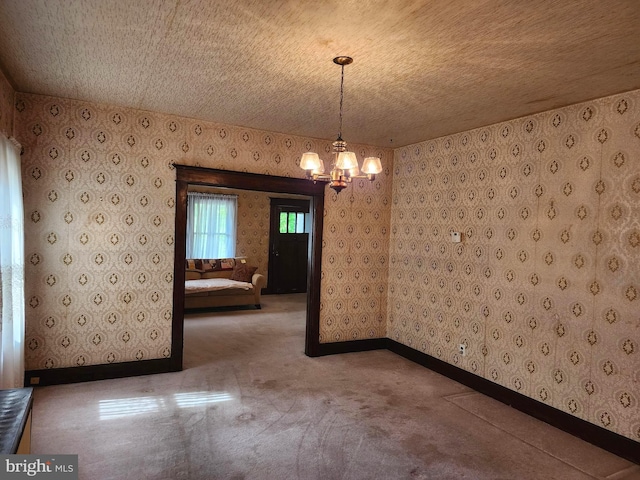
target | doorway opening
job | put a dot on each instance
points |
(189, 175)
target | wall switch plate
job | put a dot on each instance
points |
(456, 237)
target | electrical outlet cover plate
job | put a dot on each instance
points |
(462, 349)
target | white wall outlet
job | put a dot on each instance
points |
(462, 349)
(456, 237)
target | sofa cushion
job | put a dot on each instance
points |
(206, 285)
(243, 272)
(192, 275)
(210, 264)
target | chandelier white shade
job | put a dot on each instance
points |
(371, 166)
(346, 160)
(345, 164)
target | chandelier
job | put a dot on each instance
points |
(345, 164)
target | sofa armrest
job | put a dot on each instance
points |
(259, 281)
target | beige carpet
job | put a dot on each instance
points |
(251, 405)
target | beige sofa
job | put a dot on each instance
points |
(221, 283)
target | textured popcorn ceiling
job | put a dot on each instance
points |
(422, 69)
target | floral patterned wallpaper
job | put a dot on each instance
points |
(544, 289)
(100, 207)
(252, 236)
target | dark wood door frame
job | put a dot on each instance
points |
(186, 175)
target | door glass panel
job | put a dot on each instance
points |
(300, 223)
(292, 223)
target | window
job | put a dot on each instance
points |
(293, 222)
(211, 225)
(12, 300)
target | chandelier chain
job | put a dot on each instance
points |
(341, 96)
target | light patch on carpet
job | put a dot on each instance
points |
(126, 407)
(195, 399)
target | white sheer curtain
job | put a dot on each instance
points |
(11, 266)
(211, 225)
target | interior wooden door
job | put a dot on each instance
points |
(288, 245)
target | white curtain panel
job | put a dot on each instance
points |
(211, 225)
(11, 266)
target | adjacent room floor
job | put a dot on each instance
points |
(250, 405)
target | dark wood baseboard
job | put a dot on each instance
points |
(601, 437)
(589, 432)
(350, 346)
(56, 376)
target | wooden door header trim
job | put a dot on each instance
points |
(248, 181)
